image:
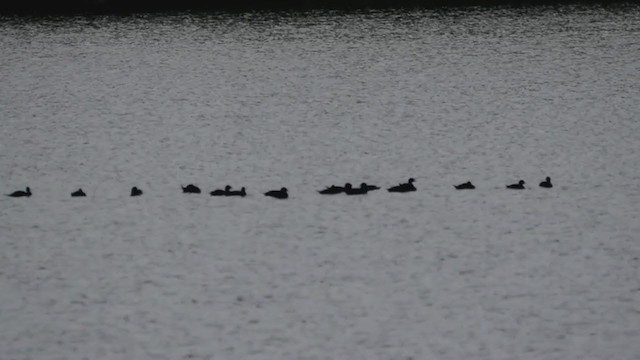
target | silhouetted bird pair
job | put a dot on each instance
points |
(278, 194)
(192, 189)
(520, 185)
(228, 192)
(365, 188)
(348, 189)
(79, 193)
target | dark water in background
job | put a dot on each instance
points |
(69, 7)
(305, 100)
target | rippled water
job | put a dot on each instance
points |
(306, 100)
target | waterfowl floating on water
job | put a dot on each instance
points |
(241, 193)
(190, 189)
(465, 186)
(21, 193)
(331, 190)
(518, 186)
(78, 193)
(220, 192)
(363, 189)
(546, 183)
(278, 194)
(135, 191)
(406, 187)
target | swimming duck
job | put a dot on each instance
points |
(278, 194)
(242, 193)
(331, 190)
(466, 186)
(518, 186)
(220, 192)
(363, 189)
(190, 189)
(78, 193)
(546, 183)
(406, 187)
(135, 191)
(21, 193)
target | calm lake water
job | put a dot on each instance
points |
(306, 100)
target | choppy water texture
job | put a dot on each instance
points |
(304, 101)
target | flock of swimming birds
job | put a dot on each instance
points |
(284, 194)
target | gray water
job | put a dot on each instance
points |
(266, 100)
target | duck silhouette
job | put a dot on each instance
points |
(406, 187)
(546, 183)
(465, 186)
(21, 193)
(278, 194)
(518, 186)
(356, 191)
(135, 191)
(190, 189)
(331, 190)
(220, 192)
(78, 193)
(241, 193)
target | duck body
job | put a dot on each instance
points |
(332, 190)
(191, 189)
(369, 187)
(21, 193)
(220, 192)
(278, 194)
(406, 187)
(465, 186)
(135, 191)
(356, 191)
(78, 193)
(546, 183)
(518, 186)
(241, 193)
